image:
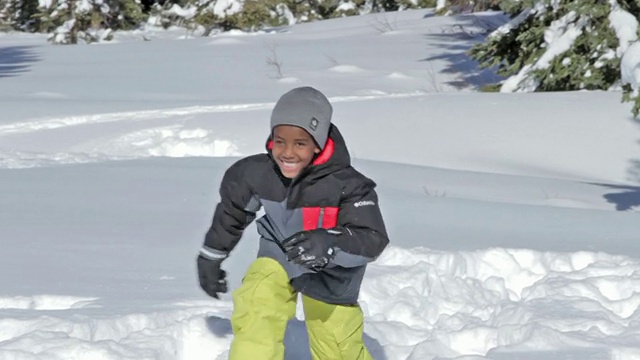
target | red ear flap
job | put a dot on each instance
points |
(270, 145)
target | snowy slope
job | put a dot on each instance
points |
(513, 217)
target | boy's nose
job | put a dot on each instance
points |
(288, 151)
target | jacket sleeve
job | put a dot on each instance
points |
(235, 211)
(362, 235)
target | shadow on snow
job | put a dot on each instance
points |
(624, 200)
(15, 60)
(627, 196)
(456, 40)
(296, 340)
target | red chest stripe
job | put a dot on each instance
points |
(315, 217)
(310, 216)
(330, 218)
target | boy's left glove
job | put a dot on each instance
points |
(212, 278)
(313, 249)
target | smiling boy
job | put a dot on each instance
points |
(322, 226)
(293, 149)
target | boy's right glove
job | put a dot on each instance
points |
(313, 249)
(212, 278)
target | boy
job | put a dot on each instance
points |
(322, 225)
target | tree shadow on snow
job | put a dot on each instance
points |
(456, 40)
(296, 340)
(15, 60)
(626, 197)
(623, 200)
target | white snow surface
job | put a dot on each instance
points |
(176, 10)
(630, 67)
(513, 218)
(625, 25)
(226, 7)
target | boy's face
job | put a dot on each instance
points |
(293, 149)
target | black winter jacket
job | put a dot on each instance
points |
(328, 193)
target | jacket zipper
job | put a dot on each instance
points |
(294, 182)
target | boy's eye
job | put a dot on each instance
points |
(301, 144)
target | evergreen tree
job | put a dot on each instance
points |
(555, 45)
(90, 21)
(6, 15)
(125, 14)
(68, 20)
(26, 10)
(560, 45)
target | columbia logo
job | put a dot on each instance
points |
(364, 203)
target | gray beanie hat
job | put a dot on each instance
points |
(307, 108)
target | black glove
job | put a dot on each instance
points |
(212, 278)
(313, 249)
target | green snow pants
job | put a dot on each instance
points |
(265, 302)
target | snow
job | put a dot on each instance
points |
(626, 28)
(625, 25)
(226, 7)
(513, 217)
(283, 10)
(62, 32)
(346, 6)
(83, 6)
(45, 3)
(630, 67)
(517, 20)
(176, 10)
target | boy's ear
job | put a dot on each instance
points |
(317, 150)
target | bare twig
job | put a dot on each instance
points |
(383, 25)
(274, 61)
(332, 60)
(433, 79)
(434, 194)
(548, 196)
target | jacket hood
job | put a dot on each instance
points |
(333, 157)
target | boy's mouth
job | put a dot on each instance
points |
(289, 165)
